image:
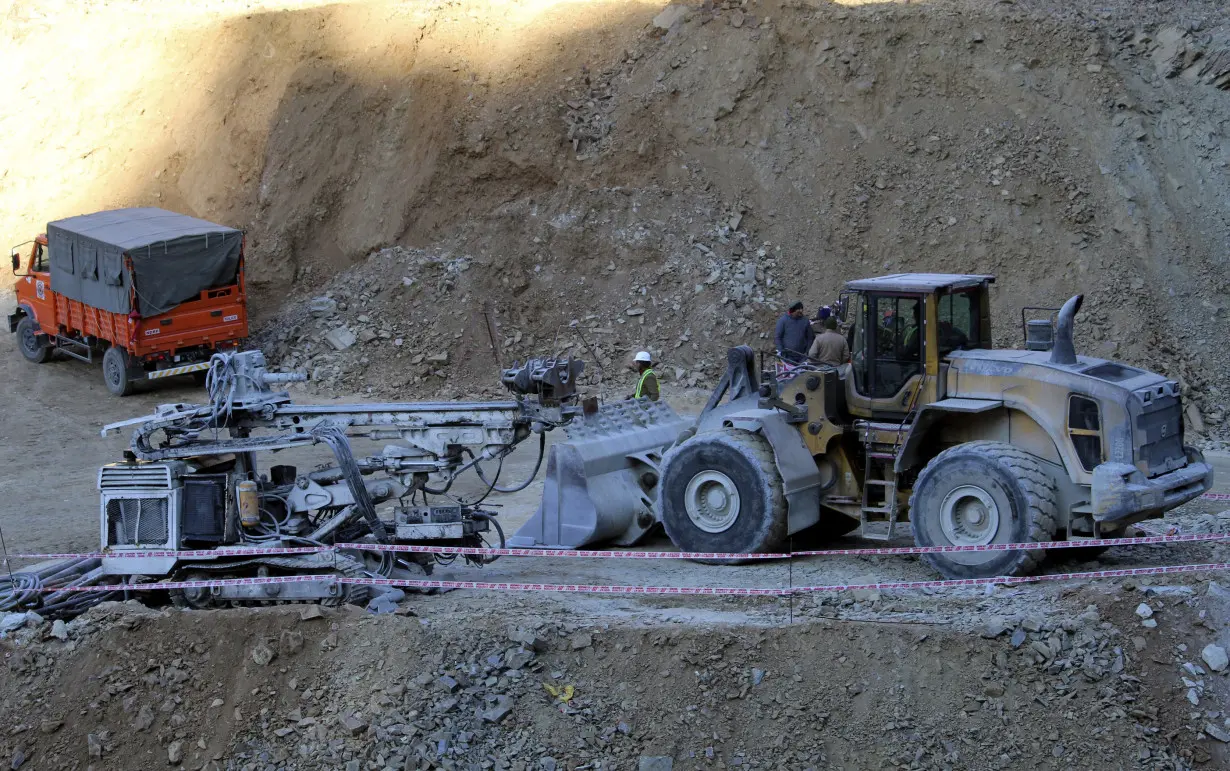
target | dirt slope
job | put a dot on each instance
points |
(667, 188)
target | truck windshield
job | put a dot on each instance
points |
(41, 259)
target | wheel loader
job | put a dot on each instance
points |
(927, 424)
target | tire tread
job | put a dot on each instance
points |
(758, 450)
(1039, 488)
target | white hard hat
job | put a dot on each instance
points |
(644, 356)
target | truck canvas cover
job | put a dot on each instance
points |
(174, 258)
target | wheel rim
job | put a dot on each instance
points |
(969, 516)
(115, 372)
(29, 342)
(712, 501)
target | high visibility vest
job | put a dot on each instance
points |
(640, 384)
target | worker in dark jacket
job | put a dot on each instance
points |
(794, 335)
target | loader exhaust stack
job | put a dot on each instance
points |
(601, 483)
(1064, 352)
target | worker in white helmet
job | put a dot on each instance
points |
(647, 384)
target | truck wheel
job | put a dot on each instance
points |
(721, 492)
(983, 493)
(28, 342)
(115, 371)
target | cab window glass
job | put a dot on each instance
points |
(42, 263)
(958, 316)
(898, 344)
(857, 340)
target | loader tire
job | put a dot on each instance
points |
(982, 493)
(721, 492)
(115, 371)
(31, 347)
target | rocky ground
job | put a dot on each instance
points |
(519, 682)
(1120, 673)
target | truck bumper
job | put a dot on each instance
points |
(1122, 492)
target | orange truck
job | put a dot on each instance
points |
(154, 292)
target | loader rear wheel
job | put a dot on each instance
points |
(983, 493)
(721, 492)
(27, 340)
(115, 371)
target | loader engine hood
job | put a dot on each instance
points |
(1100, 370)
(1140, 413)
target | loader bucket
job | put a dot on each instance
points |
(601, 482)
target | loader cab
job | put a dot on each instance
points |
(900, 329)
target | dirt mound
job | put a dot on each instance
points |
(455, 688)
(679, 187)
(667, 184)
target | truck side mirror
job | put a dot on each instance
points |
(16, 261)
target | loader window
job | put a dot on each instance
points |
(1085, 429)
(958, 317)
(42, 263)
(896, 340)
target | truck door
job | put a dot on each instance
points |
(34, 288)
(886, 345)
(43, 301)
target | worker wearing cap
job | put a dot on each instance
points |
(647, 382)
(793, 335)
(817, 321)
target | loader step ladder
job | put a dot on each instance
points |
(75, 348)
(879, 509)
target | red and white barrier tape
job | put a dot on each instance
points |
(642, 555)
(628, 554)
(245, 551)
(873, 552)
(658, 590)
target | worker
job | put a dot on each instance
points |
(817, 321)
(794, 335)
(647, 384)
(910, 343)
(830, 347)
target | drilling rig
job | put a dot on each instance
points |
(195, 488)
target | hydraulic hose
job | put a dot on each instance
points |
(49, 590)
(20, 591)
(542, 451)
(499, 531)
